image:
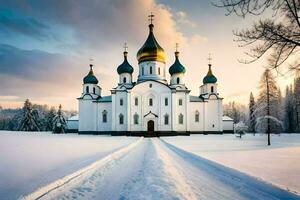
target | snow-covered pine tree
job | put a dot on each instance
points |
(297, 103)
(28, 122)
(49, 119)
(240, 129)
(59, 122)
(252, 119)
(288, 110)
(268, 107)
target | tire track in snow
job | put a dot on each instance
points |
(44, 191)
(211, 180)
(157, 178)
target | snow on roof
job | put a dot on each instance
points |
(73, 118)
(226, 118)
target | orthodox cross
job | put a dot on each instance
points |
(91, 61)
(209, 59)
(176, 47)
(125, 47)
(150, 18)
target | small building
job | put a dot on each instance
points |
(228, 124)
(72, 124)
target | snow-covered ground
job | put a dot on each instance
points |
(278, 164)
(30, 160)
(45, 166)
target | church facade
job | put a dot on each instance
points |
(150, 105)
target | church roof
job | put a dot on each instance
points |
(177, 67)
(196, 99)
(209, 78)
(151, 50)
(125, 67)
(90, 78)
(104, 99)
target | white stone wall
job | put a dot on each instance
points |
(91, 90)
(125, 77)
(213, 114)
(158, 71)
(120, 109)
(173, 80)
(193, 108)
(157, 92)
(101, 107)
(87, 114)
(179, 109)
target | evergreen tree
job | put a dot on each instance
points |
(297, 104)
(28, 122)
(49, 117)
(59, 122)
(268, 109)
(252, 119)
(288, 110)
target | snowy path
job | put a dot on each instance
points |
(154, 169)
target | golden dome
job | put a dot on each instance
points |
(151, 50)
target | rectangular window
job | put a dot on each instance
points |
(136, 101)
(166, 101)
(197, 117)
(180, 119)
(166, 119)
(180, 102)
(150, 102)
(104, 117)
(121, 102)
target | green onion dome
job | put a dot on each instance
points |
(125, 67)
(151, 50)
(90, 78)
(209, 78)
(177, 67)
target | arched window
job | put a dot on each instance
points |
(150, 70)
(166, 101)
(121, 119)
(178, 80)
(180, 119)
(159, 71)
(94, 90)
(104, 116)
(212, 89)
(166, 119)
(197, 116)
(180, 102)
(136, 101)
(121, 102)
(150, 102)
(124, 80)
(136, 118)
(87, 89)
(142, 71)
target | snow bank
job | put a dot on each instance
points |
(31, 160)
(278, 164)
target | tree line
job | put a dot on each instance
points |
(34, 117)
(269, 110)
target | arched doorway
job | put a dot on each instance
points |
(150, 126)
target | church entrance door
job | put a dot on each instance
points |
(150, 126)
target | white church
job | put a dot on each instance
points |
(150, 106)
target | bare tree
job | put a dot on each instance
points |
(279, 36)
(268, 109)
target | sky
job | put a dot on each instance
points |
(46, 46)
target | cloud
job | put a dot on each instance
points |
(181, 18)
(86, 29)
(10, 22)
(197, 39)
